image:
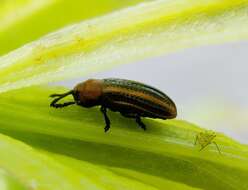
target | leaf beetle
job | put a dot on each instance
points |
(132, 99)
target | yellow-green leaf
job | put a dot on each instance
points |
(73, 140)
(145, 30)
(22, 21)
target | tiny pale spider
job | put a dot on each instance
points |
(206, 138)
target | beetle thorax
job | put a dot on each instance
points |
(88, 93)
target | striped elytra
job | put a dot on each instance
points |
(132, 99)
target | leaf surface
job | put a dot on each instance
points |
(164, 155)
(159, 27)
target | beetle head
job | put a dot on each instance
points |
(88, 93)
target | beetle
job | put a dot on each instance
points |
(131, 98)
(206, 138)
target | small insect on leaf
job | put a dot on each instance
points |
(206, 138)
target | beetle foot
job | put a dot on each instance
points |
(57, 105)
(143, 127)
(106, 128)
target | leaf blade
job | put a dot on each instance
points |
(116, 38)
(165, 150)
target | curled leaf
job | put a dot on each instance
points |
(145, 30)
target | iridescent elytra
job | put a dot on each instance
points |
(132, 99)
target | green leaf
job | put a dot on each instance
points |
(44, 148)
(73, 140)
(38, 171)
(159, 27)
(23, 21)
(8, 182)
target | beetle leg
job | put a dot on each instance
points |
(107, 121)
(62, 95)
(140, 123)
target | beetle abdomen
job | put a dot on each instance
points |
(132, 98)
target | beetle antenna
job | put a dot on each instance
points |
(60, 96)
